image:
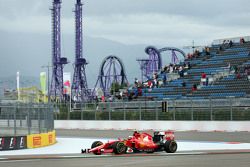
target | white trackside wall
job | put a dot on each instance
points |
(228, 126)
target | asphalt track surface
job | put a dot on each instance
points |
(222, 158)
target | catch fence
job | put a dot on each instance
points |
(25, 118)
(188, 109)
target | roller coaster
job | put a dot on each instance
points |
(111, 71)
(154, 63)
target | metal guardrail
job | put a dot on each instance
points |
(25, 118)
(202, 109)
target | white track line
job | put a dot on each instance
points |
(74, 146)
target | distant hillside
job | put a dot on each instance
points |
(28, 52)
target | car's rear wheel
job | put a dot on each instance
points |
(170, 146)
(96, 144)
(119, 148)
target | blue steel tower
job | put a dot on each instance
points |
(79, 87)
(56, 87)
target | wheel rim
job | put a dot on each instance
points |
(120, 148)
(173, 146)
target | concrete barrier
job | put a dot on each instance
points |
(228, 126)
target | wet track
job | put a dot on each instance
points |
(212, 158)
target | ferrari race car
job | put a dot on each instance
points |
(139, 142)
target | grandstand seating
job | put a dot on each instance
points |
(228, 85)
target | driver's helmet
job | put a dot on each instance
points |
(136, 133)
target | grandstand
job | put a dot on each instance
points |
(226, 72)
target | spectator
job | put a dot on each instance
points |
(183, 84)
(247, 72)
(136, 82)
(189, 65)
(228, 67)
(207, 81)
(224, 42)
(203, 78)
(190, 56)
(165, 69)
(203, 75)
(238, 76)
(181, 71)
(150, 84)
(242, 40)
(110, 98)
(139, 91)
(207, 50)
(155, 76)
(176, 69)
(194, 88)
(171, 68)
(196, 53)
(155, 83)
(220, 49)
(164, 79)
(230, 43)
(185, 65)
(103, 98)
(236, 69)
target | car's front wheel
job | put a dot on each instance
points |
(119, 148)
(96, 144)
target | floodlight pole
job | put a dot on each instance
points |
(48, 76)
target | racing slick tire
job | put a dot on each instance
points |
(170, 146)
(150, 151)
(119, 148)
(96, 144)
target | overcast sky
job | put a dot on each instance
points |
(175, 22)
(130, 22)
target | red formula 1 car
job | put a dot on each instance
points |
(139, 142)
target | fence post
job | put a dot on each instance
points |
(28, 119)
(8, 115)
(15, 112)
(20, 117)
(140, 111)
(51, 115)
(192, 110)
(109, 111)
(68, 113)
(39, 119)
(81, 110)
(97, 109)
(95, 113)
(124, 112)
(211, 109)
(156, 110)
(46, 118)
(231, 109)
(174, 105)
